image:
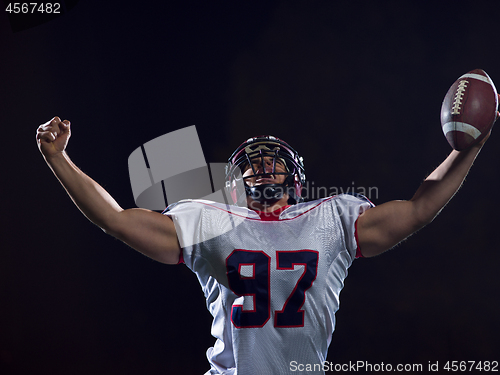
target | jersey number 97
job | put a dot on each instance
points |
(257, 285)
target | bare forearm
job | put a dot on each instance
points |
(442, 184)
(92, 200)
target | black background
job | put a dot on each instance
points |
(355, 86)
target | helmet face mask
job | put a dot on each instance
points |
(260, 150)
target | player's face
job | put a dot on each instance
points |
(268, 177)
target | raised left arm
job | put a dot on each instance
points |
(382, 227)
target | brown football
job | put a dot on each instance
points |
(469, 109)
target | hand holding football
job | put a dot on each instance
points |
(469, 109)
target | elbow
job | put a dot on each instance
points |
(112, 230)
(424, 214)
(110, 225)
(107, 231)
(422, 220)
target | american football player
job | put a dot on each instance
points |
(271, 266)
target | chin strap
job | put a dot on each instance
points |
(266, 193)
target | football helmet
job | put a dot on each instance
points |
(261, 147)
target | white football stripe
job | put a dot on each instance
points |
(476, 76)
(461, 127)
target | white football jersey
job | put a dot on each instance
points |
(272, 283)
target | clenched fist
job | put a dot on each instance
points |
(52, 137)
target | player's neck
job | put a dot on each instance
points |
(267, 207)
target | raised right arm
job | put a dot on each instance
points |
(148, 232)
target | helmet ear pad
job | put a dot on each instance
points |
(294, 188)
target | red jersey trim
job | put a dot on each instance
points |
(271, 216)
(358, 249)
(285, 207)
(181, 257)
